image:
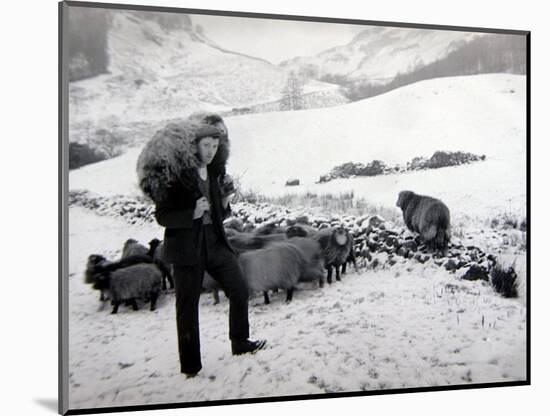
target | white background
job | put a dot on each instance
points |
(29, 209)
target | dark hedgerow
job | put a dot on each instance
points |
(439, 159)
(82, 154)
(504, 280)
(442, 159)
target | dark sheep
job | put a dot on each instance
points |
(300, 230)
(132, 247)
(269, 228)
(313, 255)
(211, 285)
(99, 264)
(336, 244)
(156, 251)
(242, 242)
(94, 260)
(102, 265)
(280, 265)
(129, 283)
(234, 223)
(427, 216)
(351, 259)
(264, 240)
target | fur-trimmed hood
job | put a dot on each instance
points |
(171, 155)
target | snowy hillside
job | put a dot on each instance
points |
(481, 114)
(378, 54)
(159, 74)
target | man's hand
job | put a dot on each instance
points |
(227, 199)
(201, 206)
(227, 186)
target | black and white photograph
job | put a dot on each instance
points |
(276, 207)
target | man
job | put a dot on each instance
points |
(192, 205)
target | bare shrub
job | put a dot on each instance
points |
(504, 280)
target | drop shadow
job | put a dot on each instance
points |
(50, 404)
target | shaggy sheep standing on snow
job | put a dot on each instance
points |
(264, 240)
(427, 216)
(313, 255)
(242, 242)
(336, 244)
(132, 247)
(269, 228)
(300, 230)
(280, 265)
(156, 251)
(209, 284)
(140, 280)
(97, 265)
(94, 261)
(351, 256)
(234, 223)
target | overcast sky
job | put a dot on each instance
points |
(275, 40)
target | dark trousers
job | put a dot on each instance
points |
(221, 263)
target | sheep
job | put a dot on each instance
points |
(351, 256)
(142, 280)
(336, 244)
(208, 283)
(94, 260)
(264, 240)
(427, 216)
(242, 242)
(156, 251)
(300, 230)
(269, 228)
(281, 265)
(234, 223)
(97, 264)
(248, 242)
(313, 256)
(132, 247)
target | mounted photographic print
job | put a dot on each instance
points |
(264, 207)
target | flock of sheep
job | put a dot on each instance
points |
(272, 256)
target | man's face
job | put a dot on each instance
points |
(207, 148)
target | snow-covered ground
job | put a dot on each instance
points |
(408, 325)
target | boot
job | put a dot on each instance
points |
(246, 346)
